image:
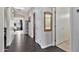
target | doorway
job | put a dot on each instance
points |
(62, 28)
(21, 27)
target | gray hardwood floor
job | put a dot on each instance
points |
(23, 43)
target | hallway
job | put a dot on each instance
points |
(23, 43)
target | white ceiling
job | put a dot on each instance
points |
(26, 9)
(22, 10)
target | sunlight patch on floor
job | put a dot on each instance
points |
(64, 45)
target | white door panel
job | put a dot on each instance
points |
(62, 19)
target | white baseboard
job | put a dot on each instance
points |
(44, 46)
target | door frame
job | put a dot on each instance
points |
(55, 26)
(34, 27)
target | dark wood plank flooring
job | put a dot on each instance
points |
(23, 43)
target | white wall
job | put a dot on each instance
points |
(30, 24)
(75, 29)
(1, 29)
(5, 17)
(25, 29)
(62, 24)
(10, 31)
(44, 39)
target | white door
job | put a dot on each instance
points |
(62, 24)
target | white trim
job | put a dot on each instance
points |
(45, 46)
(53, 32)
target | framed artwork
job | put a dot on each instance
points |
(47, 21)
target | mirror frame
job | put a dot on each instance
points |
(47, 13)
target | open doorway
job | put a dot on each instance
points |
(21, 25)
(63, 28)
(18, 24)
(31, 26)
